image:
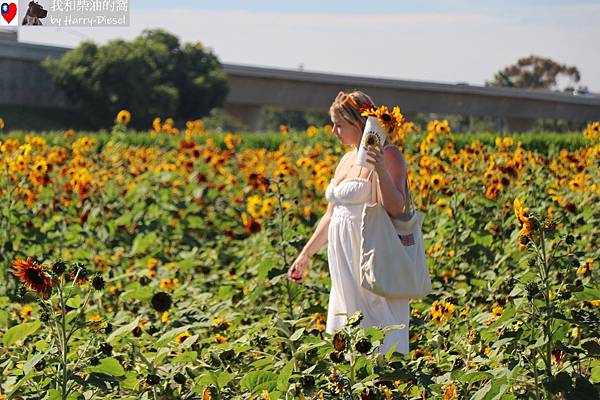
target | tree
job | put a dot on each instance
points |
(534, 72)
(150, 76)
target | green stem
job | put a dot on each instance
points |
(283, 251)
(65, 346)
(548, 319)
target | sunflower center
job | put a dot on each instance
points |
(34, 276)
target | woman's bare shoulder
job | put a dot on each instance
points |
(393, 153)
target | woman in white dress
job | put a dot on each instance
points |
(339, 227)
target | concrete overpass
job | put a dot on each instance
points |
(24, 82)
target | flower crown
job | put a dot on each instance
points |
(391, 120)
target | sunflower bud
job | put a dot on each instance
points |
(570, 239)
(179, 378)
(59, 268)
(152, 379)
(368, 394)
(98, 282)
(161, 301)
(337, 356)
(363, 346)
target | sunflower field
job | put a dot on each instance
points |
(152, 265)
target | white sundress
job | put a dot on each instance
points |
(343, 253)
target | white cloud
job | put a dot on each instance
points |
(436, 47)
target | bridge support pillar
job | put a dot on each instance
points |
(516, 124)
(249, 114)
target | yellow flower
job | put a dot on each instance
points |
(123, 117)
(26, 312)
(523, 219)
(441, 311)
(311, 131)
(283, 130)
(450, 392)
(437, 181)
(319, 321)
(156, 124)
(95, 322)
(220, 338)
(586, 268)
(252, 206)
(182, 337)
(1, 123)
(232, 141)
(497, 310)
(164, 317)
(169, 284)
(265, 395)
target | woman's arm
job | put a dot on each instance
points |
(319, 237)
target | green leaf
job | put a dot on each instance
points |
(170, 335)
(263, 269)
(284, 378)
(592, 347)
(54, 394)
(480, 394)
(195, 222)
(124, 219)
(297, 335)
(185, 357)
(109, 366)
(223, 378)
(475, 376)
(142, 243)
(257, 381)
(3, 319)
(74, 302)
(32, 362)
(123, 330)
(20, 332)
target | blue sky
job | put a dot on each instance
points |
(440, 41)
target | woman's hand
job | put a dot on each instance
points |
(375, 157)
(296, 271)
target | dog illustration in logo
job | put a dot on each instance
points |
(35, 12)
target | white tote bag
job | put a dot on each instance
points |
(392, 261)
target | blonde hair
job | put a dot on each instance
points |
(347, 106)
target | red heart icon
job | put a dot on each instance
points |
(10, 14)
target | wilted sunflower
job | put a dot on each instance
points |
(33, 276)
(161, 301)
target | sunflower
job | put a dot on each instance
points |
(26, 312)
(182, 337)
(33, 275)
(437, 181)
(123, 117)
